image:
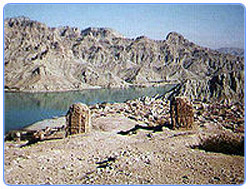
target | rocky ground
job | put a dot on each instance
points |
(131, 143)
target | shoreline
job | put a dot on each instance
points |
(92, 88)
(42, 124)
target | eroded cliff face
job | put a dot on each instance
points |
(40, 58)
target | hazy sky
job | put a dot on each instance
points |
(214, 26)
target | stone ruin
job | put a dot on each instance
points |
(78, 119)
(181, 112)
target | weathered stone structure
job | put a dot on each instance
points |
(182, 113)
(78, 119)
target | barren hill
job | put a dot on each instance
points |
(39, 58)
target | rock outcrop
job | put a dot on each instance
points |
(223, 87)
(39, 58)
(78, 119)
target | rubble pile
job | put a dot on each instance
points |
(148, 111)
(229, 116)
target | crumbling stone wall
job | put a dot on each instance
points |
(78, 119)
(181, 112)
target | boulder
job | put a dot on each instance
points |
(78, 119)
(181, 112)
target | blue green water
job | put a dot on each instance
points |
(22, 109)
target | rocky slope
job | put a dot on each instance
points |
(40, 58)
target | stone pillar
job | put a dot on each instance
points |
(78, 119)
(181, 112)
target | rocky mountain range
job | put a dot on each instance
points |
(232, 51)
(41, 58)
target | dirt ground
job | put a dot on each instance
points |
(117, 151)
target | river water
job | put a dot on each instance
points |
(22, 109)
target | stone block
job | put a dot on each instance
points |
(78, 119)
(182, 113)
